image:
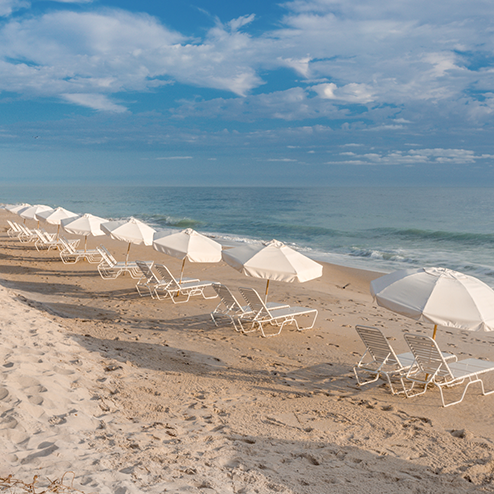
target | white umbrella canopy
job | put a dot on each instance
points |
(31, 212)
(55, 216)
(86, 224)
(17, 208)
(132, 231)
(272, 261)
(439, 296)
(188, 245)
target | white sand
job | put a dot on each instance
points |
(139, 395)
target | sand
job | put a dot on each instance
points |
(140, 395)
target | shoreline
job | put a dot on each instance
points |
(165, 399)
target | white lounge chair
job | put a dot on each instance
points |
(432, 368)
(151, 282)
(231, 308)
(187, 289)
(49, 241)
(70, 255)
(379, 358)
(14, 229)
(261, 315)
(109, 268)
(26, 235)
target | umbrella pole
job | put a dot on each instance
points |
(182, 272)
(85, 244)
(127, 257)
(266, 294)
(433, 337)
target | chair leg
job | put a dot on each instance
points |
(363, 383)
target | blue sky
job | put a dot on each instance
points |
(216, 92)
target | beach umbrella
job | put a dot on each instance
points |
(17, 208)
(86, 224)
(439, 296)
(55, 216)
(132, 231)
(188, 245)
(31, 212)
(272, 261)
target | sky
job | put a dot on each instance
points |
(217, 92)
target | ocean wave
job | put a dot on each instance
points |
(158, 220)
(436, 236)
(375, 254)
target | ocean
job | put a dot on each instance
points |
(374, 228)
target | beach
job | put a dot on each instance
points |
(133, 394)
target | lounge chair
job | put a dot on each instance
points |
(26, 235)
(261, 315)
(230, 307)
(109, 268)
(50, 241)
(187, 289)
(379, 358)
(151, 282)
(432, 368)
(70, 255)
(14, 229)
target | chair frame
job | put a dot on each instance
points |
(14, 229)
(431, 368)
(379, 359)
(230, 307)
(70, 255)
(50, 241)
(110, 269)
(26, 235)
(261, 315)
(151, 282)
(175, 289)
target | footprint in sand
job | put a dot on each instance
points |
(27, 382)
(4, 392)
(35, 400)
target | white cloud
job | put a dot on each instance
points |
(95, 101)
(415, 156)
(9, 6)
(351, 93)
(175, 158)
(281, 159)
(112, 51)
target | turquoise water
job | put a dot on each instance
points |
(367, 227)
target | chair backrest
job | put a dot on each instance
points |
(13, 226)
(41, 236)
(254, 301)
(25, 229)
(166, 276)
(226, 296)
(67, 245)
(104, 255)
(377, 345)
(109, 257)
(427, 355)
(146, 272)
